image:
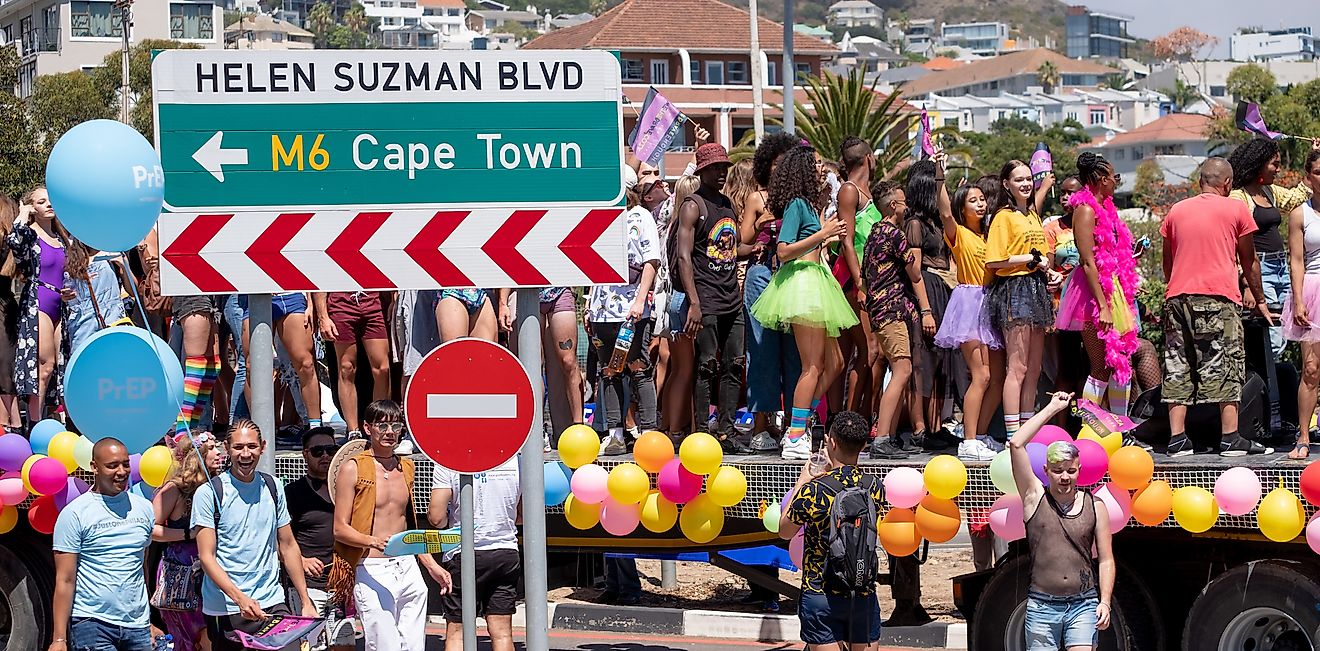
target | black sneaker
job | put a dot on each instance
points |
(1239, 446)
(1131, 441)
(910, 442)
(731, 445)
(940, 439)
(886, 449)
(1206, 449)
(1179, 446)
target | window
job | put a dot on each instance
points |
(659, 71)
(632, 69)
(453, 11)
(386, 4)
(7, 34)
(1218, 91)
(772, 73)
(94, 20)
(407, 5)
(277, 37)
(192, 21)
(1120, 154)
(409, 21)
(694, 71)
(737, 72)
(951, 122)
(1097, 116)
(714, 72)
(802, 69)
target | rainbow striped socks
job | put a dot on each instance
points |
(199, 375)
(797, 424)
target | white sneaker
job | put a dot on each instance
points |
(612, 447)
(799, 450)
(975, 450)
(763, 442)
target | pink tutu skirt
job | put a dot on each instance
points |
(966, 319)
(1311, 299)
(1076, 305)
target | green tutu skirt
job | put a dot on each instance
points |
(804, 293)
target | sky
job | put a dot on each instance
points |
(1220, 18)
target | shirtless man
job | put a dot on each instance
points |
(390, 593)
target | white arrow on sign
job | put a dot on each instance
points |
(213, 158)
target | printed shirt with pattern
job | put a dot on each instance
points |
(884, 268)
(611, 303)
(811, 509)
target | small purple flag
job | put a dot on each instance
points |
(279, 631)
(1042, 163)
(1248, 119)
(656, 128)
(1102, 422)
(922, 146)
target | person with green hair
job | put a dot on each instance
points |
(1067, 603)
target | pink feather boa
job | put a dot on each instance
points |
(1113, 259)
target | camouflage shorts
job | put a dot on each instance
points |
(1204, 358)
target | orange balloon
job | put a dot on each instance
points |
(1131, 468)
(1151, 505)
(898, 532)
(938, 520)
(652, 451)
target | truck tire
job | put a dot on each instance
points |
(1001, 613)
(1267, 605)
(24, 600)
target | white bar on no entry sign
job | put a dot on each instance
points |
(471, 405)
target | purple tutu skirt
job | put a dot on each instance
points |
(1311, 299)
(967, 319)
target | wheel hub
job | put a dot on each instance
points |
(1015, 638)
(1264, 629)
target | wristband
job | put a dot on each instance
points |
(925, 312)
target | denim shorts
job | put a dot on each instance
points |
(1051, 620)
(678, 310)
(87, 634)
(828, 619)
(281, 305)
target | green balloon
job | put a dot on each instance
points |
(1001, 473)
(771, 518)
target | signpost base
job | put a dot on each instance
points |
(467, 561)
(532, 476)
(261, 375)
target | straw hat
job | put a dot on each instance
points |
(344, 455)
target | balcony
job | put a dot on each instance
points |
(41, 39)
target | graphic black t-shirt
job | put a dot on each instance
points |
(715, 256)
(312, 517)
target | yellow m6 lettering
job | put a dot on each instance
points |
(293, 156)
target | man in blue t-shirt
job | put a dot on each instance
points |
(100, 542)
(241, 587)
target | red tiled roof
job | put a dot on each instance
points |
(1004, 66)
(1175, 127)
(707, 100)
(941, 63)
(695, 25)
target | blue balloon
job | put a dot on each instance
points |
(42, 433)
(556, 483)
(143, 489)
(106, 184)
(124, 382)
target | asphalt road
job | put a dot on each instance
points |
(587, 641)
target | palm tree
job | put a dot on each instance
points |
(847, 106)
(1117, 81)
(355, 20)
(1048, 75)
(320, 21)
(1182, 94)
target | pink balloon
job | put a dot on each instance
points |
(1119, 504)
(795, 548)
(1094, 462)
(47, 476)
(677, 484)
(12, 490)
(1237, 491)
(590, 484)
(1051, 433)
(619, 519)
(1006, 518)
(904, 487)
(1313, 533)
(72, 489)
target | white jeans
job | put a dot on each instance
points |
(391, 602)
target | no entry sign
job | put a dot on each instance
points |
(470, 405)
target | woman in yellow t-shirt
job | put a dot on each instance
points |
(966, 323)
(1018, 298)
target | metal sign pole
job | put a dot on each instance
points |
(533, 477)
(261, 375)
(467, 561)
(788, 73)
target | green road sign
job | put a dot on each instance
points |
(249, 130)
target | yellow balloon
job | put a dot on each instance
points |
(580, 514)
(1281, 516)
(726, 486)
(60, 449)
(700, 453)
(82, 453)
(628, 483)
(155, 465)
(1195, 509)
(578, 446)
(701, 519)
(945, 477)
(658, 513)
(27, 465)
(1111, 443)
(8, 518)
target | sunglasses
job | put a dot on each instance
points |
(322, 450)
(388, 427)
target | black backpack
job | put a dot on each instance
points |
(851, 563)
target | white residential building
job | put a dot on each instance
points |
(1178, 136)
(1293, 44)
(917, 36)
(263, 32)
(856, 13)
(69, 35)
(394, 13)
(447, 18)
(985, 39)
(1210, 78)
(1099, 112)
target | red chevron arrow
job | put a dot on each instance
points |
(425, 249)
(502, 248)
(346, 250)
(185, 253)
(267, 252)
(579, 247)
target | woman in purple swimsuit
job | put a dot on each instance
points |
(37, 242)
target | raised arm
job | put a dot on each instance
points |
(1043, 193)
(1028, 485)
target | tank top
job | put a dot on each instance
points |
(768, 237)
(715, 257)
(1267, 238)
(1311, 238)
(1060, 546)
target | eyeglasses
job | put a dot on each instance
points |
(322, 450)
(388, 427)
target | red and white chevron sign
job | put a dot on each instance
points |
(339, 251)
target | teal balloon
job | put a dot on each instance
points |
(106, 184)
(42, 433)
(556, 483)
(1001, 473)
(126, 383)
(143, 490)
(771, 518)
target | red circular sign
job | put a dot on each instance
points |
(470, 405)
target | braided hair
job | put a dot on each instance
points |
(1091, 167)
(796, 177)
(1250, 159)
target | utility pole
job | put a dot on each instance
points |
(125, 22)
(788, 72)
(758, 80)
